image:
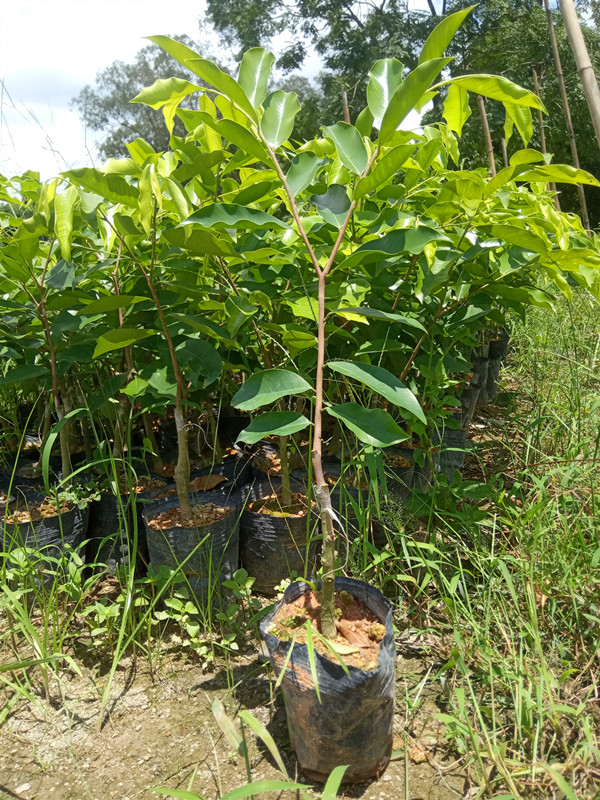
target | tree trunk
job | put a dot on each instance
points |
(536, 89)
(157, 464)
(567, 112)
(584, 65)
(486, 135)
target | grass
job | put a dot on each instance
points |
(497, 579)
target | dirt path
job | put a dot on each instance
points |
(161, 733)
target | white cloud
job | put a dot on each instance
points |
(49, 50)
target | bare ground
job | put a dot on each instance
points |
(160, 732)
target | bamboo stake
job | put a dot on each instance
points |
(486, 134)
(585, 69)
(536, 89)
(504, 152)
(567, 112)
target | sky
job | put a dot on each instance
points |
(49, 50)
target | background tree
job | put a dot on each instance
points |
(106, 109)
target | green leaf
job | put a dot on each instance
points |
(302, 172)
(254, 73)
(208, 71)
(349, 145)
(364, 122)
(277, 123)
(110, 303)
(135, 388)
(526, 157)
(232, 215)
(239, 136)
(385, 77)
(63, 224)
(408, 240)
(372, 426)
(119, 338)
(111, 187)
(441, 36)
(385, 168)
(107, 390)
(198, 242)
(266, 387)
(456, 108)
(381, 381)
(199, 358)
(260, 730)
(273, 423)
(250, 789)
(239, 312)
(166, 93)
(557, 173)
(409, 95)
(20, 374)
(375, 313)
(333, 205)
(497, 88)
(511, 234)
(330, 790)
(61, 276)
(519, 117)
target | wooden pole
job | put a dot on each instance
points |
(486, 135)
(585, 69)
(567, 112)
(536, 88)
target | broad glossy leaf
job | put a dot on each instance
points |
(266, 387)
(443, 33)
(140, 150)
(385, 76)
(24, 373)
(110, 303)
(456, 108)
(557, 173)
(206, 70)
(61, 276)
(202, 162)
(232, 215)
(385, 168)
(409, 240)
(518, 117)
(254, 73)
(526, 157)
(111, 187)
(135, 388)
(349, 145)
(381, 381)
(198, 242)
(239, 312)
(364, 122)
(166, 93)
(333, 205)
(372, 426)
(239, 136)
(277, 123)
(409, 95)
(497, 88)
(198, 358)
(63, 224)
(302, 172)
(387, 316)
(119, 338)
(273, 423)
(107, 390)
(511, 234)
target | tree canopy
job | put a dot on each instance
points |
(106, 109)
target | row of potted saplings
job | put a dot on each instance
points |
(239, 513)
